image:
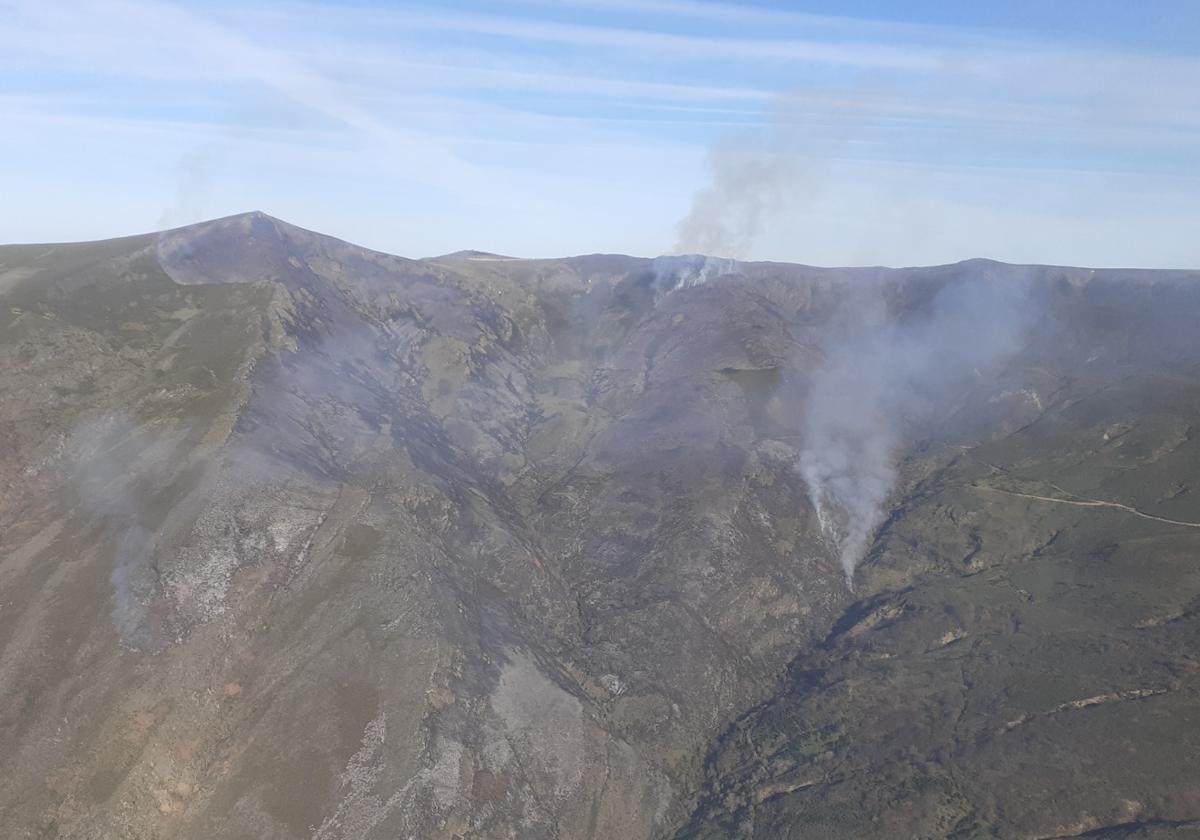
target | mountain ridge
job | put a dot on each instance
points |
(299, 539)
(251, 215)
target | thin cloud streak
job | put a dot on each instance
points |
(867, 55)
(385, 70)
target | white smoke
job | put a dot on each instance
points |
(885, 378)
(109, 458)
(752, 178)
(684, 270)
(190, 201)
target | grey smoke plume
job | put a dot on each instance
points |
(191, 198)
(684, 270)
(750, 180)
(886, 377)
(106, 454)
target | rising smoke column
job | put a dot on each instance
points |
(750, 180)
(682, 271)
(886, 377)
(106, 456)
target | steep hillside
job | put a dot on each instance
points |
(303, 540)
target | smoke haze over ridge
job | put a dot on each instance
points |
(884, 379)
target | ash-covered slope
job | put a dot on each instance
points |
(302, 540)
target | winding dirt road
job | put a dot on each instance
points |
(1089, 503)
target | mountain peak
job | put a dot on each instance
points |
(475, 256)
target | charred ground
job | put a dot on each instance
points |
(303, 540)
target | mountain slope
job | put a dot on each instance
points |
(303, 540)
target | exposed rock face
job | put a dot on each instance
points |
(303, 540)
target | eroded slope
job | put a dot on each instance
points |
(302, 540)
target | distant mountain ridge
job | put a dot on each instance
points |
(304, 540)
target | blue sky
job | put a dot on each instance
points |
(829, 133)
